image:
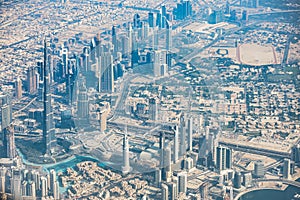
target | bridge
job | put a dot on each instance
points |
(257, 150)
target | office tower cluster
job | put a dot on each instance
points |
(183, 10)
(249, 3)
(21, 183)
(176, 159)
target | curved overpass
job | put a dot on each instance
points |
(251, 190)
(284, 181)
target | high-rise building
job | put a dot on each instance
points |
(48, 125)
(167, 170)
(9, 142)
(2, 179)
(159, 20)
(6, 111)
(202, 150)
(168, 35)
(164, 192)
(151, 19)
(255, 3)
(126, 164)
(31, 189)
(286, 168)
(106, 77)
(160, 67)
(83, 102)
(244, 15)
(259, 169)
(216, 17)
(36, 179)
(44, 187)
(237, 180)
(24, 188)
(125, 46)
(182, 131)
(182, 182)
(223, 158)
(16, 185)
(153, 109)
(157, 177)
(136, 21)
(31, 80)
(183, 10)
(175, 145)
(102, 116)
(54, 189)
(203, 189)
(114, 41)
(161, 148)
(190, 134)
(247, 180)
(295, 156)
(18, 88)
(173, 191)
(65, 62)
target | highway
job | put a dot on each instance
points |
(120, 103)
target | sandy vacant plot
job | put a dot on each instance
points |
(253, 54)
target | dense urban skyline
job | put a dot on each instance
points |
(149, 99)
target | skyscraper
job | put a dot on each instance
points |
(6, 113)
(136, 21)
(48, 126)
(182, 182)
(223, 158)
(259, 169)
(44, 187)
(106, 77)
(155, 38)
(125, 46)
(167, 170)
(182, 130)
(83, 102)
(151, 20)
(160, 67)
(295, 155)
(175, 145)
(114, 41)
(9, 142)
(126, 164)
(18, 88)
(161, 148)
(102, 116)
(31, 80)
(164, 192)
(190, 134)
(2, 179)
(237, 180)
(286, 168)
(65, 62)
(16, 185)
(54, 189)
(168, 35)
(153, 109)
(173, 191)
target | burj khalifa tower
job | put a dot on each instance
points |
(48, 125)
